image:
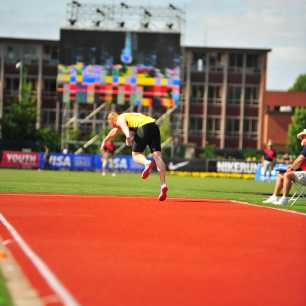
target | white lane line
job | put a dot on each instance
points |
(269, 207)
(50, 278)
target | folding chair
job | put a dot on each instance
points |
(299, 193)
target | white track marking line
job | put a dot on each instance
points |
(268, 207)
(43, 269)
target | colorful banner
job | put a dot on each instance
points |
(83, 83)
(25, 160)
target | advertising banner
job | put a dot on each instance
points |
(220, 166)
(121, 163)
(61, 161)
(89, 162)
(236, 166)
(277, 169)
(25, 160)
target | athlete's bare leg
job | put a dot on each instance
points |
(161, 167)
(139, 158)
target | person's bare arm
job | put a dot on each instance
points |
(121, 122)
(112, 133)
(296, 163)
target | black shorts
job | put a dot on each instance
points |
(147, 135)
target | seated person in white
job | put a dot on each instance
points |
(284, 180)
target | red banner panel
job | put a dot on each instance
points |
(12, 159)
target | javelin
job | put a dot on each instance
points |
(87, 144)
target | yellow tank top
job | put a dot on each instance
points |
(135, 120)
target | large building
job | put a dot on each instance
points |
(278, 110)
(223, 96)
(38, 60)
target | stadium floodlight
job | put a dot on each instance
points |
(72, 21)
(134, 16)
(100, 12)
(147, 13)
(124, 5)
(76, 3)
(173, 7)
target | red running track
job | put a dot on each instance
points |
(135, 251)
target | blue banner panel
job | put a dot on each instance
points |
(89, 162)
(260, 172)
(61, 161)
(83, 162)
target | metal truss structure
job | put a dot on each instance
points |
(121, 16)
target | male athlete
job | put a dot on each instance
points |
(140, 130)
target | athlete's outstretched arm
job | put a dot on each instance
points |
(112, 133)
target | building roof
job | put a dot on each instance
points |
(206, 48)
(28, 40)
(284, 98)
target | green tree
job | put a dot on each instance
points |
(299, 84)
(18, 124)
(209, 152)
(48, 138)
(297, 125)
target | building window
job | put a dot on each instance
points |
(197, 93)
(30, 54)
(27, 53)
(77, 55)
(198, 62)
(251, 95)
(214, 94)
(250, 127)
(50, 54)
(196, 124)
(11, 85)
(232, 126)
(213, 126)
(252, 61)
(236, 60)
(13, 54)
(215, 59)
(234, 94)
(50, 86)
(92, 55)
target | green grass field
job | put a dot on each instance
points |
(5, 298)
(72, 182)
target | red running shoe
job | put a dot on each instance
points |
(163, 193)
(147, 170)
